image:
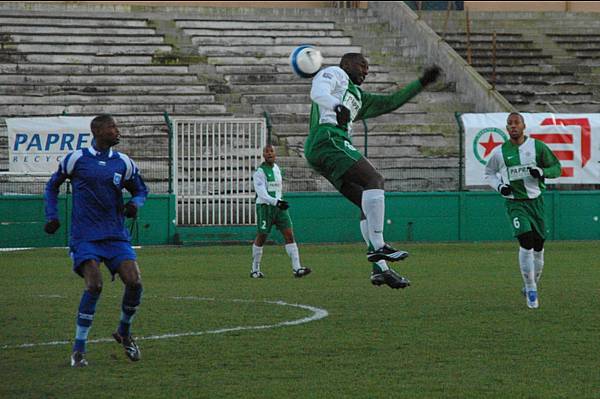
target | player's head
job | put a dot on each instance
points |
(269, 154)
(515, 125)
(105, 131)
(356, 66)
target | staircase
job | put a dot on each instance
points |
(416, 147)
(209, 61)
(546, 62)
(74, 65)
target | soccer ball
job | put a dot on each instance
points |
(306, 61)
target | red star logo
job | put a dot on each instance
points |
(489, 145)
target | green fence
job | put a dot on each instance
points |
(22, 221)
(327, 218)
(444, 216)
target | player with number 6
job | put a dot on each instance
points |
(518, 170)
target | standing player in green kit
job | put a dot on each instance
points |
(272, 210)
(337, 101)
(517, 170)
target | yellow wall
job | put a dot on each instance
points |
(572, 6)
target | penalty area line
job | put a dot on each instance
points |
(317, 314)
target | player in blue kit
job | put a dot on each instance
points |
(98, 234)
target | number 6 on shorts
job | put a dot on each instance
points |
(516, 223)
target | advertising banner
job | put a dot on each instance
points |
(36, 145)
(574, 139)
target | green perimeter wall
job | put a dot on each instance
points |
(328, 217)
(22, 221)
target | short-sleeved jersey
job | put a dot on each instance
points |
(510, 163)
(268, 184)
(98, 179)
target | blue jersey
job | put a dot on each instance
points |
(98, 179)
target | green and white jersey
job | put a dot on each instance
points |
(510, 163)
(332, 86)
(268, 184)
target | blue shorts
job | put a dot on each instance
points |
(111, 252)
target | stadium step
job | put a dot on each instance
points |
(90, 79)
(104, 39)
(42, 89)
(81, 69)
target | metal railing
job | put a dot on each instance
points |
(213, 164)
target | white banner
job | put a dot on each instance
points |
(36, 145)
(574, 139)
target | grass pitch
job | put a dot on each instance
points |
(461, 331)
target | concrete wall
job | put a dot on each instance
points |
(471, 86)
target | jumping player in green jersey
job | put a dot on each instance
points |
(271, 210)
(337, 101)
(518, 170)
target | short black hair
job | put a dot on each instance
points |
(351, 57)
(100, 120)
(515, 113)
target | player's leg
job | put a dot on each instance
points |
(526, 264)
(381, 265)
(292, 250)
(283, 222)
(518, 213)
(364, 175)
(536, 214)
(92, 276)
(354, 193)
(257, 252)
(538, 257)
(123, 262)
(263, 229)
(381, 273)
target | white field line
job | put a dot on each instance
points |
(317, 314)
(26, 248)
(13, 249)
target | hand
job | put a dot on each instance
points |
(283, 205)
(130, 210)
(51, 226)
(536, 172)
(505, 189)
(342, 115)
(429, 75)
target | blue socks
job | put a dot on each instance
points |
(85, 316)
(87, 308)
(131, 300)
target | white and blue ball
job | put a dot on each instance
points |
(306, 61)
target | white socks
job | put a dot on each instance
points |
(527, 268)
(538, 264)
(256, 257)
(373, 206)
(292, 251)
(364, 230)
